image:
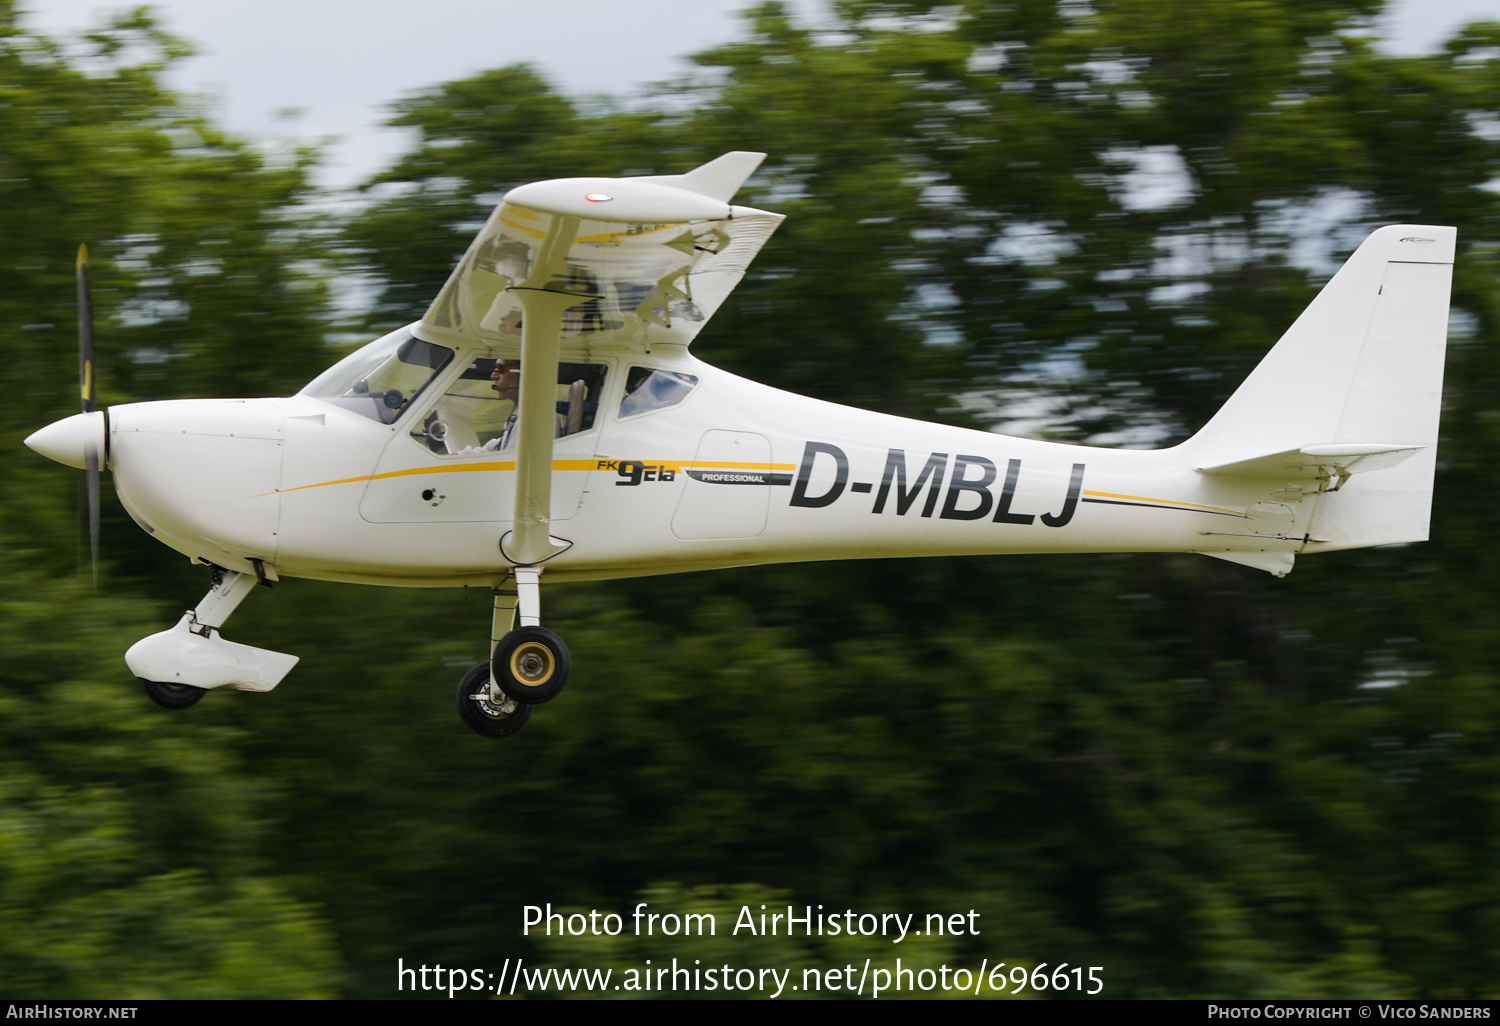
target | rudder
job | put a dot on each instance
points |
(1362, 366)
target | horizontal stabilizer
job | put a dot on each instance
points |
(1318, 461)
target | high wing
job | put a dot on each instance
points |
(651, 258)
(591, 262)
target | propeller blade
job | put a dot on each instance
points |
(85, 332)
(91, 484)
(86, 391)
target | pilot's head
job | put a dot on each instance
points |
(507, 379)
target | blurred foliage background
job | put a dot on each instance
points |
(1081, 220)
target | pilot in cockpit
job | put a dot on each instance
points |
(506, 376)
(465, 423)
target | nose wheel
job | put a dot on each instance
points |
(172, 696)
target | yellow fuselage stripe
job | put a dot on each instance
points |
(1164, 502)
(593, 464)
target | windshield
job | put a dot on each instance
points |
(381, 380)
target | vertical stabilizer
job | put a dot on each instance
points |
(1362, 366)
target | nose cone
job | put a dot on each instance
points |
(70, 440)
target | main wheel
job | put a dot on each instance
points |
(483, 716)
(172, 696)
(531, 664)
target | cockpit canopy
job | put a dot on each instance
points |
(471, 415)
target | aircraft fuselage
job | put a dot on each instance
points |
(736, 473)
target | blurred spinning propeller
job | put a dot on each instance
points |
(89, 499)
(86, 389)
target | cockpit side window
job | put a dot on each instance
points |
(651, 388)
(381, 380)
(477, 414)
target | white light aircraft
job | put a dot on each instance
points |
(546, 419)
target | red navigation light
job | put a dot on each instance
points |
(598, 197)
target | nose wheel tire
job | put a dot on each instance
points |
(531, 665)
(172, 696)
(483, 716)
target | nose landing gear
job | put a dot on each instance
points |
(179, 664)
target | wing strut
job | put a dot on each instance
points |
(542, 306)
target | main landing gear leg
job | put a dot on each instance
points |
(484, 708)
(530, 663)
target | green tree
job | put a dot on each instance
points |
(134, 857)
